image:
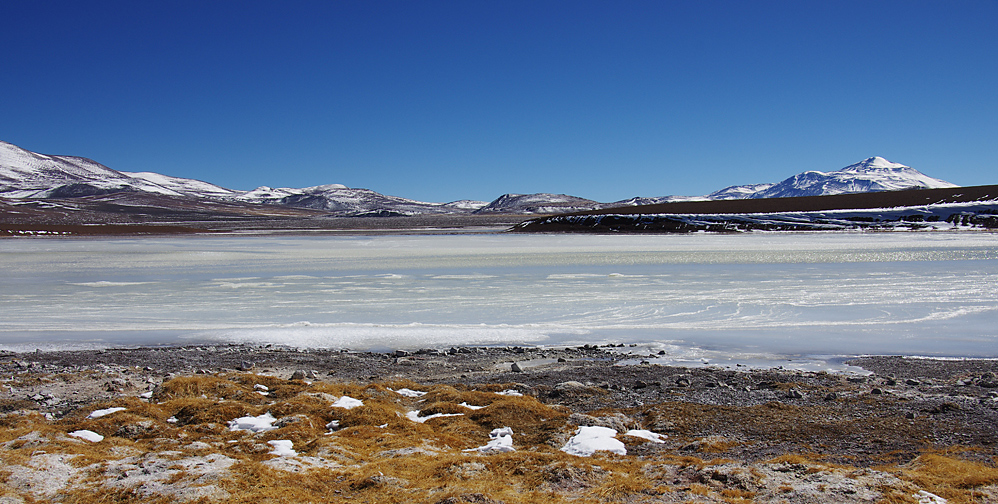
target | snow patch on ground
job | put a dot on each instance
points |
(404, 392)
(414, 416)
(347, 402)
(654, 437)
(104, 412)
(282, 448)
(261, 423)
(88, 435)
(591, 439)
(500, 441)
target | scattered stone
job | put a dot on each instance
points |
(298, 375)
(945, 407)
(912, 382)
(988, 380)
(516, 368)
(682, 382)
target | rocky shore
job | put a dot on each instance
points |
(912, 430)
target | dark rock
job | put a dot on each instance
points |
(298, 375)
(912, 382)
(945, 407)
(831, 396)
(795, 394)
(876, 391)
(516, 368)
(682, 382)
(988, 380)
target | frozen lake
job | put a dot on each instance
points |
(750, 298)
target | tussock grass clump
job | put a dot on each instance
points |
(372, 413)
(951, 478)
(204, 411)
(278, 388)
(532, 421)
(346, 389)
(208, 387)
(303, 404)
(446, 408)
(453, 394)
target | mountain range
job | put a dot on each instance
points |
(29, 175)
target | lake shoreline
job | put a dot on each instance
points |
(710, 421)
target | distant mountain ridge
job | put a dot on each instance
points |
(28, 175)
(873, 174)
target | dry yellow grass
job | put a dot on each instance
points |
(378, 455)
(951, 478)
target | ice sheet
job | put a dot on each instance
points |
(760, 297)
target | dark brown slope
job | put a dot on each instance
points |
(886, 199)
(127, 213)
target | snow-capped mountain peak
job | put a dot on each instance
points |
(870, 175)
(26, 174)
(873, 164)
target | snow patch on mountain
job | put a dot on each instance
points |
(870, 175)
(538, 203)
(26, 174)
(184, 186)
(738, 192)
(344, 200)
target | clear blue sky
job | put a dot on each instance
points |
(466, 99)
